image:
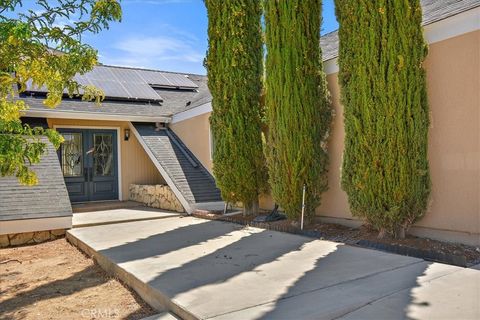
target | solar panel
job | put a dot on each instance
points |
(100, 73)
(142, 91)
(32, 88)
(154, 78)
(78, 78)
(127, 75)
(165, 79)
(179, 80)
(112, 89)
(81, 79)
(125, 83)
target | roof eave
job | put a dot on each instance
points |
(59, 114)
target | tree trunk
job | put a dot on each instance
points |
(382, 233)
(400, 232)
(251, 208)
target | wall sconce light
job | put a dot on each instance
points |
(126, 134)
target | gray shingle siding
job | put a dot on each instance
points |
(195, 183)
(48, 199)
(329, 44)
(436, 10)
(106, 107)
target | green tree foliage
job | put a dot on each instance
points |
(35, 47)
(297, 103)
(234, 64)
(385, 167)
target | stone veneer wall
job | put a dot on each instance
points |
(18, 239)
(155, 196)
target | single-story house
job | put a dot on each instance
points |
(153, 128)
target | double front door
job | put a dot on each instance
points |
(89, 161)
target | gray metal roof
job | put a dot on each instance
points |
(433, 11)
(46, 200)
(195, 183)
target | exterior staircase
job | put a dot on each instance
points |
(193, 185)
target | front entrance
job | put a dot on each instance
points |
(89, 161)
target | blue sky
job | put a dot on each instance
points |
(166, 35)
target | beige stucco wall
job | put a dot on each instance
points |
(195, 133)
(136, 166)
(453, 79)
(334, 200)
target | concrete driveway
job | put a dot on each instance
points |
(200, 269)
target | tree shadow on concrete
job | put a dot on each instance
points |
(243, 255)
(169, 241)
(227, 262)
(340, 281)
(345, 283)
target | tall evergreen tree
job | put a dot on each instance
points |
(234, 65)
(297, 103)
(385, 167)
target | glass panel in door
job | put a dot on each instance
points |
(103, 157)
(72, 155)
(73, 163)
(89, 164)
(103, 165)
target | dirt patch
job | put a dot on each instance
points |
(53, 280)
(362, 236)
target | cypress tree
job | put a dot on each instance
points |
(235, 67)
(297, 104)
(383, 90)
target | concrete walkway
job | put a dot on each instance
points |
(161, 316)
(104, 205)
(88, 219)
(201, 269)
